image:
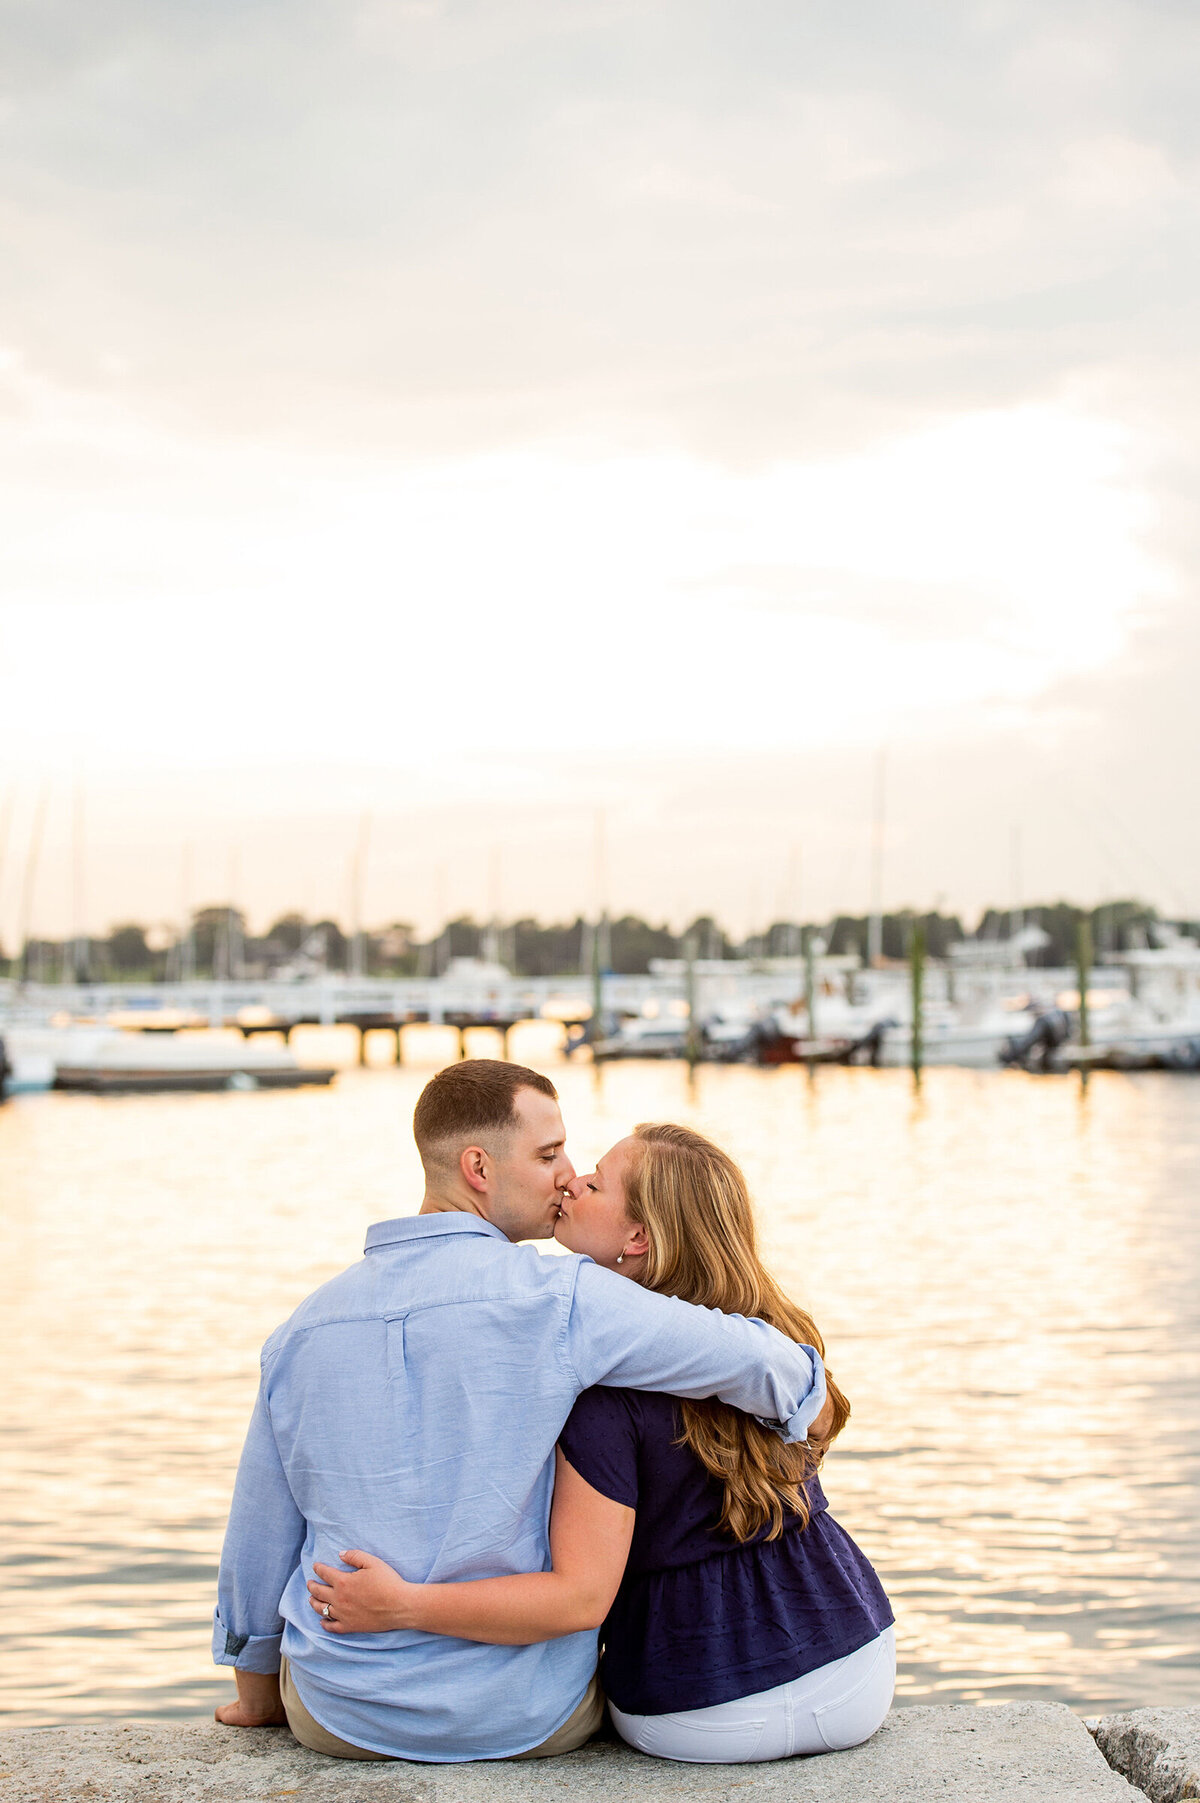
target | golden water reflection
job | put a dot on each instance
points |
(1007, 1276)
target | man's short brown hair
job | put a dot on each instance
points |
(466, 1100)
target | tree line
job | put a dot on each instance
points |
(219, 944)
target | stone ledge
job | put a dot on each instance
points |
(1014, 1753)
(1156, 1749)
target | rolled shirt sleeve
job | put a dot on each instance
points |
(627, 1337)
(262, 1549)
(796, 1426)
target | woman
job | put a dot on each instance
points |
(740, 1621)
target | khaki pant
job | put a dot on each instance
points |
(578, 1727)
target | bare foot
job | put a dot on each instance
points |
(240, 1715)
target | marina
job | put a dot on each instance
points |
(1142, 1013)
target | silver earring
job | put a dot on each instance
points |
(620, 1258)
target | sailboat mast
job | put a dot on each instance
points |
(875, 923)
(31, 867)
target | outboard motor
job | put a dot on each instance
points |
(1034, 1049)
(868, 1049)
(587, 1032)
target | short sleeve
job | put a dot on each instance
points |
(600, 1439)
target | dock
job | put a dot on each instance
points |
(256, 1008)
(964, 1016)
(1008, 1753)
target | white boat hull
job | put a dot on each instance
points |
(103, 1059)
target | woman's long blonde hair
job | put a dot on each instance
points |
(693, 1202)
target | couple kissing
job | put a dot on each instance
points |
(486, 1493)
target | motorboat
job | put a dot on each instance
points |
(1158, 1029)
(842, 1033)
(956, 1037)
(640, 1037)
(107, 1060)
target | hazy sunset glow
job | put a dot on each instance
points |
(476, 419)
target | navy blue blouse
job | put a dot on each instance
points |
(701, 1618)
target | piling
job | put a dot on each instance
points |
(597, 982)
(810, 982)
(1083, 969)
(916, 965)
(693, 1027)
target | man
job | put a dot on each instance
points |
(411, 1406)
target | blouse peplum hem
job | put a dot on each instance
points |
(741, 1621)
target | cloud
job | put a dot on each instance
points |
(751, 228)
(680, 399)
(554, 569)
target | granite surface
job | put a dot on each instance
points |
(1156, 1749)
(1014, 1753)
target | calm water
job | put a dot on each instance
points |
(1007, 1274)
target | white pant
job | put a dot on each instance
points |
(837, 1706)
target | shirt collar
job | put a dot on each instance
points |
(427, 1227)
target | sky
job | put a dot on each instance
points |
(568, 455)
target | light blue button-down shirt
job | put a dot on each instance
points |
(410, 1407)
